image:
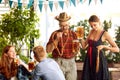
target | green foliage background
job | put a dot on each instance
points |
(18, 27)
(111, 57)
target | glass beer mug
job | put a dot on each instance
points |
(80, 32)
(74, 46)
(16, 60)
(31, 65)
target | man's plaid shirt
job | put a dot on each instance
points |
(67, 52)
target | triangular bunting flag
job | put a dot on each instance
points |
(73, 1)
(5, 2)
(35, 4)
(45, 6)
(61, 3)
(70, 2)
(30, 3)
(90, 1)
(0, 1)
(45, 3)
(101, 1)
(84, 1)
(56, 5)
(19, 5)
(51, 5)
(40, 5)
(77, 2)
(19, 1)
(10, 3)
(67, 3)
(81, 1)
(95, 1)
(24, 3)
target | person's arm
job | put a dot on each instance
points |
(36, 73)
(53, 41)
(113, 46)
(51, 46)
(22, 63)
(84, 43)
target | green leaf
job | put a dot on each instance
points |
(18, 26)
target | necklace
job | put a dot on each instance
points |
(63, 44)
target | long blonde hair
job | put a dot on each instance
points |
(7, 69)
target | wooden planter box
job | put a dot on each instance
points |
(79, 70)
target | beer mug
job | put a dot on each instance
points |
(80, 32)
(31, 65)
(16, 60)
(74, 45)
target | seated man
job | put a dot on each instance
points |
(46, 69)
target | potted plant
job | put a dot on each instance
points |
(18, 28)
(116, 57)
(106, 26)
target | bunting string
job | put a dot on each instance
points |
(46, 3)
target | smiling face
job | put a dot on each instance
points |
(64, 26)
(94, 22)
(8, 54)
(11, 53)
(7, 61)
(95, 25)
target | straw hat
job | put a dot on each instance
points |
(63, 17)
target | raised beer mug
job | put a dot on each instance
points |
(80, 32)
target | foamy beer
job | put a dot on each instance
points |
(16, 60)
(80, 32)
(74, 45)
(31, 65)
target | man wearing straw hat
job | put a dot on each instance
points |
(61, 46)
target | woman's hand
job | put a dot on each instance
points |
(100, 47)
